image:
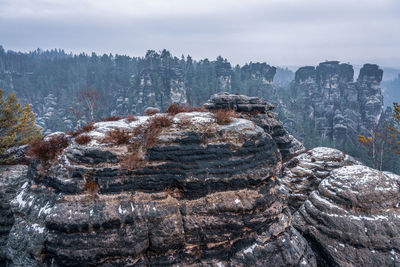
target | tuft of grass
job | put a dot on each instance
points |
(174, 109)
(91, 187)
(111, 118)
(151, 112)
(160, 121)
(84, 129)
(198, 109)
(224, 116)
(130, 118)
(117, 137)
(133, 161)
(83, 139)
(46, 150)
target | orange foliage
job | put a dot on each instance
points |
(45, 150)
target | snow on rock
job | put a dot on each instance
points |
(302, 174)
(353, 218)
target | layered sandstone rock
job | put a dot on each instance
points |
(11, 179)
(302, 174)
(353, 219)
(338, 107)
(260, 112)
(203, 194)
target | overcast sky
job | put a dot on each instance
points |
(279, 32)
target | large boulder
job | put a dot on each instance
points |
(302, 174)
(201, 194)
(260, 112)
(12, 178)
(353, 219)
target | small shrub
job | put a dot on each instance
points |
(84, 129)
(183, 122)
(150, 112)
(160, 121)
(45, 150)
(223, 116)
(111, 118)
(91, 187)
(117, 136)
(133, 161)
(198, 109)
(130, 118)
(174, 109)
(83, 139)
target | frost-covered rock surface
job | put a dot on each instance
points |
(12, 179)
(353, 219)
(205, 194)
(260, 112)
(302, 174)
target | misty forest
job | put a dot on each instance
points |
(326, 105)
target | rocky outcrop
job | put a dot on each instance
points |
(338, 107)
(260, 112)
(353, 219)
(11, 180)
(202, 194)
(302, 174)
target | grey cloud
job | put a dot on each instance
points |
(285, 32)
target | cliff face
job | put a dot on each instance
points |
(203, 193)
(11, 179)
(338, 107)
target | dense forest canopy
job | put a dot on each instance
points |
(68, 90)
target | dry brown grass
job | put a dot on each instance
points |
(111, 118)
(45, 150)
(91, 187)
(160, 121)
(130, 118)
(174, 109)
(198, 109)
(83, 139)
(117, 137)
(84, 129)
(151, 112)
(133, 161)
(224, 116)
(183, 122)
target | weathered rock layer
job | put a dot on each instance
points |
(11, 179)
(302, 174)
(204, 194)
(353, 219)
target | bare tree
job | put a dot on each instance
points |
(90, 98)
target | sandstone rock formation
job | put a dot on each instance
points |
(338, 107)
(260, 112)
(302, 174)
(353, 219)
(11, 179)
(201, 194)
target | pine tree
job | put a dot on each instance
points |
(17, 125)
